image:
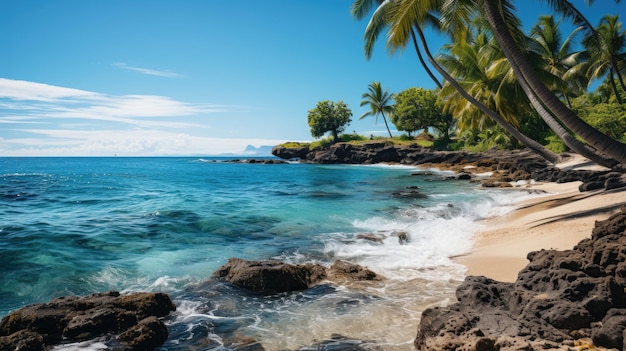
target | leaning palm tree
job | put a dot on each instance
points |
(361, 8)
(379, 102)
(404, 16)
(496, 12)
(412, 12)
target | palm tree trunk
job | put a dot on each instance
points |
(526, 141)
(614, 86)
(620, 79)
(419, 56)
(562, 133)
(523, 70)
(386, 125)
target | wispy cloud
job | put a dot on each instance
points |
(23, 100)
(41, 119)
(150, 72)
(135, 142)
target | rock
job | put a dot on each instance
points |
(589, 186)
(340, 343)
(610, 332)
(350, 271)
(74, 318)
(289, 153)
(148, 334)
(409, 194)
(270, 276)
(23, 340)
(615, 182)
(378, 239)
(558, 297)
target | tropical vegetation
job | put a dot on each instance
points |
(329, 116)
(501, 86)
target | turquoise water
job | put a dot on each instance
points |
(74, 226)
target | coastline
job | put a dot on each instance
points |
(557, 220)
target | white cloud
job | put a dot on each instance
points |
(150, 72)
(45, 120)
(123, 143)
(25, 90)
(23, 100)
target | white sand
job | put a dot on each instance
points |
(558, 220)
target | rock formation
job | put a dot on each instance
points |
(560, 299)
(131, 321)
(271, 276)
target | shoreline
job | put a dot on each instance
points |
(557, 220)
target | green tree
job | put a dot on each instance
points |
(416, 109)
(607, 53)
(498, 13)
(562, 65)
(328, 116)
(505, 26)
(404, 17)
(379, 101)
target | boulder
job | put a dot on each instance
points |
(289, 153)
(342, 270)
(74, 318)
(270, 276)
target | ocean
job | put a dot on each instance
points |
(79, 225)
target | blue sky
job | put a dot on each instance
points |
(189, 77)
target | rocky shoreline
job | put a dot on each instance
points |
(562, 300)
(504, 166)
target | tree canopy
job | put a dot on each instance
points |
(328, 116)
(416, 109)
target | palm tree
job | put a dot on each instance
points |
(607, 53)
(361, 8)
(410, 13)
(496, 11)
(404, 16)
(562, 65)
(379, 101)
(480, 67)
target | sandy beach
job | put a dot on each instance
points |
(558, 220)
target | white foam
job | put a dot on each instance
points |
(81, 346)
(434, 236)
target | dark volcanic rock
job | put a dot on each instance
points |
(346, 270)
(560, 296)
(270, 276)
(290, 153)
(76, 318)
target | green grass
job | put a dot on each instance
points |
(356, 139)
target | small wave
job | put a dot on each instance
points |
(26, 175)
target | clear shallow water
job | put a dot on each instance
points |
(74, 226)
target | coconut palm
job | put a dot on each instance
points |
(361, 8)
(562, 65)
(481, 69)
(452, 12)
(459, 13)
(496, 12)
(607, 53)
(379, 102)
